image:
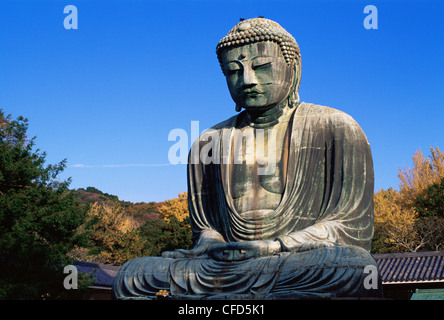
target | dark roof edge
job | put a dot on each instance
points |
(96, 265)
(379, 256)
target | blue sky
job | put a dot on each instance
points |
(106, 95)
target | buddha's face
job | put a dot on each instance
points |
(257, 75)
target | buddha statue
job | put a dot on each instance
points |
(280, 195)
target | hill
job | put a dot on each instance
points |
(140, 211)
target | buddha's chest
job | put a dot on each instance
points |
(259, 161)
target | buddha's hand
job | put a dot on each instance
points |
(238, 251)
(198, 251)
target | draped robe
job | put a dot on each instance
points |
(324, 221)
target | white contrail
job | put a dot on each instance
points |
(81, 165)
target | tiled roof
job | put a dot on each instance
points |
(411, 267)
(103, 273)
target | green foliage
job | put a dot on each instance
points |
(430, 225)
(106, 195)
(38, 217)
(165, 236)
(381, 244)
(152, 232)
(91, 195)
(176, 235)
(431, 204)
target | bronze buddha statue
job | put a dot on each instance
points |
(280, 195)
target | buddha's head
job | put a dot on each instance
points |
(262, 64)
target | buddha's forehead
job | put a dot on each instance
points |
(252, 50)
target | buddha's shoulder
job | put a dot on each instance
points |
(217, 129)
(323, 112)
(226, 124)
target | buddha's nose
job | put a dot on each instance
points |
(249, 77)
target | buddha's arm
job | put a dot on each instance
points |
(319, 235)
(203, 206)
(344, 214)
(200, 247)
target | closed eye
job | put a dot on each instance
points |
(261, 65)
(261, 62)
(232, 68)
(232, 71)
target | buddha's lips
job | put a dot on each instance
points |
(251, 93)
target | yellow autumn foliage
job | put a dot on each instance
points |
(394, 220)
(395, 214)
(113, 234)
(111, 216)
(425, 171)
(177, 207)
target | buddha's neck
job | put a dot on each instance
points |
(267, 118)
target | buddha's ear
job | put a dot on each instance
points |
(293, 97)
(238, 108)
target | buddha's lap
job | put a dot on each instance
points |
(289, 264)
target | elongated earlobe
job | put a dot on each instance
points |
(293, 98)
(238, 108)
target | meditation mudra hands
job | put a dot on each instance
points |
(237, 251)
(229, 251)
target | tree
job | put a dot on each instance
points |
(177, 207)
(176, 235)
(431, 204)
(38, 217)
(163, 236)
(106, 195)
(152, 232)
(141, 212)
(430, 208)
(394, 223)
(173, 231)
(425, 172)
(109, 236)
(411, 219)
